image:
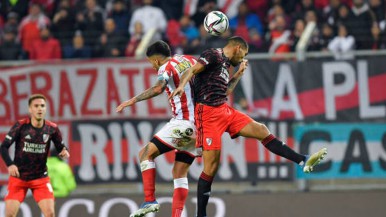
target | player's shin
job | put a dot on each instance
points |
(280, 148)
(203, 193)
(181, 190)
(148, 179)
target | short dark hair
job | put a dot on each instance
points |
(159, 48)
(36, 96)
(237, 40)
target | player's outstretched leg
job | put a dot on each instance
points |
(314, 159)
(145, 208)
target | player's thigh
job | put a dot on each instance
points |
(211, 160)
(211, 123)
(254, 130)
(41, 189)
(11, 207)
(237, 122)
(17, 189)
(47, 206)
(182, 162)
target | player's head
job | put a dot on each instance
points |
(37, 106)
(238, 49)
(157, 53)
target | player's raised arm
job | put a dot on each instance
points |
(237, 76)
(185, 78)
(153, 91)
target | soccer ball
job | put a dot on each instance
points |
(216, 23)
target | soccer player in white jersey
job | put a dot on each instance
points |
(178, 134)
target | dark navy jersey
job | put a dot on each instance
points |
(32, 146)
(210, 85)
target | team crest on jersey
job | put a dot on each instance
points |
(209, 141)
(45, 138)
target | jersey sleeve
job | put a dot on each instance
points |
(208, 58)
(12, 135)
(164, 75)
(58, 140)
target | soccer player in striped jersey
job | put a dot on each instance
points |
(178, 134)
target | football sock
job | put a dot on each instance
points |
(148, 179)
(181, 189)
(203, 193)
(278, 147)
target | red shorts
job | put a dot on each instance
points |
(211, 122)
(41, 189)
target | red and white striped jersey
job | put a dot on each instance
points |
(171, 71)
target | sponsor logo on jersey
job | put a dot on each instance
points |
(8, 137)
(27, 137)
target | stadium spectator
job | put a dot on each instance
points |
(63, 23)
(135, 39)
(280, 36)
(90, 22)
(77, 49)
(247, 21)
(121, 16)
(203, 8)
(10, 48)
(47, 6)
(330, 11)
(343, 44)
(327, 34)
(175, 36)
(172, 9)
(111, 43)
(311, 16)
(378, 7)
(377, 37)
(362, 21)
(12, 20)
(46, 47)
(188, 28)
(150, 17)
(260, 7)
(297, 33)
(29, 29)
(304, 7)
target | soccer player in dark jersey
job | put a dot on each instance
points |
(213, 116)
(32, 137)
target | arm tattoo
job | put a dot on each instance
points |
(156, 90)
(232, 84)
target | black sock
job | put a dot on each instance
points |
(278, 147)
(203, 192)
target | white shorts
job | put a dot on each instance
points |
(180, 135)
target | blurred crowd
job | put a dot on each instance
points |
(62, 29)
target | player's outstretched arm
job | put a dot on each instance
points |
(156, 90)
(185, 78)
(237, 76)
